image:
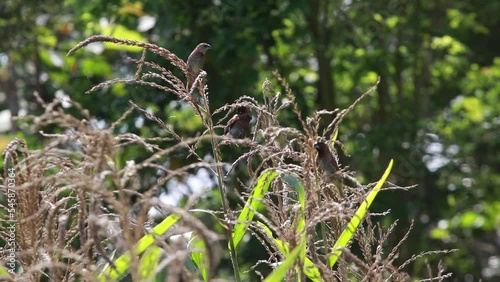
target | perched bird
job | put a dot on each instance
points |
(239, 125)
(327, 161)
(195, 62)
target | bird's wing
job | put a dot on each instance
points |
(230, 124)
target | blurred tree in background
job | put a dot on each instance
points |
(436, 110)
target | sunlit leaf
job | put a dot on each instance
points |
(440, 234)
(95, 65)
(349, 231)
(4, 272)
(122, 263)
(470, 219)
(252, 204)
(310, 270)
(280, 272)
(198, 256)
(301, 219)
(122, 32)
(149, 263)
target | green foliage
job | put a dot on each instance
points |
(149, 263)
(122, 264)
(310, 270)
(350, 230)
(254, 203)
(286, 266)
(199, 257)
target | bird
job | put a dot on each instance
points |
(195, 62)
(329, 164)
(239, 125)
(327, 161)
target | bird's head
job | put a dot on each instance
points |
(244, 113)
(242, 110)
(321, 147)
(203, 47)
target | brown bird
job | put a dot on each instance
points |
(239, 125)
(195, 62)
(327, 161)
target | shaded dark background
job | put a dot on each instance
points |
(436, 110)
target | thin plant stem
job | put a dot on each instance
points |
(225, 205)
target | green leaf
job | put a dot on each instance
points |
(252, 204)
(95, 66)
(392, 21)
(199, 257)
(310, 270)
(149, 263)
(184, 118)
(280, 272)
(122, 263)
(46, 36)
(349, 231)
(120, 31)
(335, 136)
(301, 217)
(471, 219)
(4, 272)
(301, 191)
(438, 233)
(474, 109)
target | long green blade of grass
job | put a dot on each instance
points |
(148, 264)
(279, 273)
(301, 216)
(252, 204)
(310, 270)
(349, 231)
(199, 257)
(122, 263)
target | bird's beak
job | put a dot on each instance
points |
(316, 146)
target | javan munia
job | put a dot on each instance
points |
(329, 164)
(239, 125)
(326, 160)
(195, 62)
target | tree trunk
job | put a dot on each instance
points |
(321, 31)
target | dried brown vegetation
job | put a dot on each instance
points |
(75, 211)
